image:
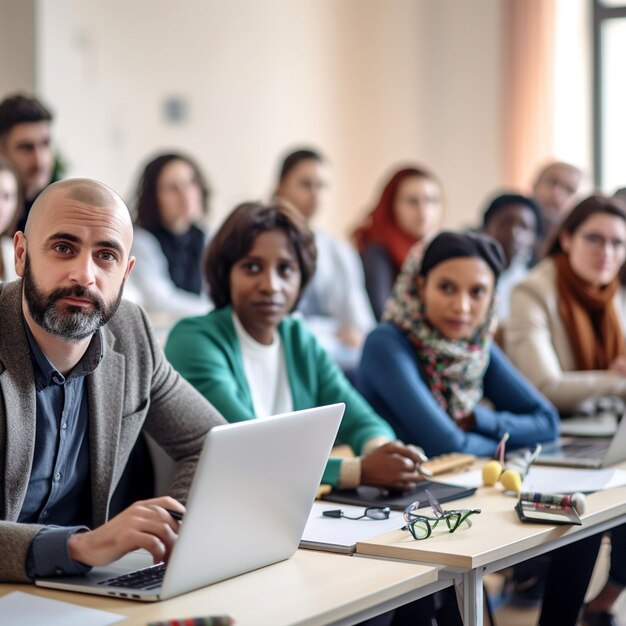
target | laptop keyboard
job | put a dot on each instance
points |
(585, 449)
(147, 578)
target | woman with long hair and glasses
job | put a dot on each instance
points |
(408, 213)
(170, 239)
(566, 328)
(566, 334)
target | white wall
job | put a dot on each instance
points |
(371, 83)
(572, 134)
(462, 91)
(17, 46)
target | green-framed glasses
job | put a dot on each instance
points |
(421, 526)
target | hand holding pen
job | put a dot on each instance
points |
(176, 515)
(394, 465)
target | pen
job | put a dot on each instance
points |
(175, 514)
(424, 471)
(215, 620)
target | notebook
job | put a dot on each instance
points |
(333, 534)
(399, 500)
(586, 452)
(248, 504)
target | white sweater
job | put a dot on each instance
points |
(6, 250)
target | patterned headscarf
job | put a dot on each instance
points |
(454, 370)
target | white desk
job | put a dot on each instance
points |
(312, 588)
(497, 539)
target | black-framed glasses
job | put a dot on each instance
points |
(372, 512)
(421, 526)
(600, 242)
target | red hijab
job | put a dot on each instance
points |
(380, 225)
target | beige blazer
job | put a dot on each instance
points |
(536, 340)
(133, 388)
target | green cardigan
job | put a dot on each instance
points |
(206, 351)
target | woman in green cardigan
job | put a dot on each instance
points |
(250, 358)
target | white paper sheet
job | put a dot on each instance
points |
(341, 534)
(554, 479)
(566, 480)
(25, 609)
(471, 479)
(617, 480)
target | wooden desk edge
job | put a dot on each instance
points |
(412, 582)
(382, 546)
(399, 553)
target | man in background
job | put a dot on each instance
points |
(25, 141)
(554, 187)
(515, 222)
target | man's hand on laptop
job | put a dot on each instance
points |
(394, 465)
(146, 524)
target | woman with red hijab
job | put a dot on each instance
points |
(408, 212)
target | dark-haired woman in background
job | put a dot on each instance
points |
(251, 359)
(169, 238)
(409, 212)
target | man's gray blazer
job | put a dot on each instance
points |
(133, 388)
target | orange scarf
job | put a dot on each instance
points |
(589, 317)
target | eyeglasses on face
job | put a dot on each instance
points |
(599, 242)
(372, 512)
(421, 526)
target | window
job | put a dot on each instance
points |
(609, 125)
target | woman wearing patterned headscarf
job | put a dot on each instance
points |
(430, 367)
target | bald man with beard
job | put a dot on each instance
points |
(81, 376)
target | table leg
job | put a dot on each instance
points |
(472, 584)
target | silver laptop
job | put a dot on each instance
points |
(586, 452)
(254, 487)
(597, 425)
